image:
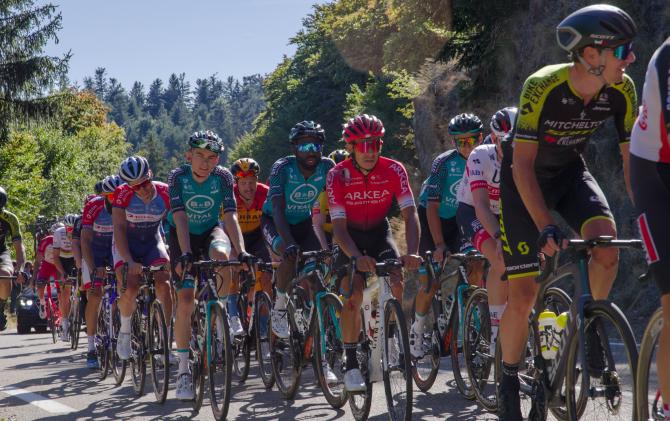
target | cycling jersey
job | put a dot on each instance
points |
(97, 218)
(62, 242)
(650, 135)
(554, 116)
(76, 228)
(320, 207)
(365, 200)
(482, 171)
(442, 184)
(9, 228)
(143, 219)
(299, 194)
(46, 249)
(250, 218)
(200, 201)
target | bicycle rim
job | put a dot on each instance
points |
(159, 352)
(196, 358)
(101, 344)
(479, 351)
(649, 403)
(286, 358)
(138, 363)
(118, 365)
(611, 395)
(397, 374)
(458, 361)
(360, 403)
(220, 361)
(241, 353)
(262, 328)
(329, 350)
(424, 370)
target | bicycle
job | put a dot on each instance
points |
(107, 329)
(445, 332)
(52, 310)
(148, 336)
(383, 354)
(75, 317)
(307, 318)
(565, 384)
(210, 343)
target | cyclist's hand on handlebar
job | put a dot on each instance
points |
(440, 252)
(551, 240)
(365, 264)
(246, 258)
(411, 261)
(291, 251)
(184, 261)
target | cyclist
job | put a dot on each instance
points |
(138, 207)
(323, 227)
(9, 229)
(64, 262)
(650, 182)
(477, 213)
(96, 249)
(197, 191)
(295, 183)
(437, 214)
(560, 108)
(360, 193)
(46, 268)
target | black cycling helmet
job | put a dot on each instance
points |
(338, 155)
(206, 139)
(465, 123)
(98, 187)
(599, 25)
(307, 129)
(3, 198)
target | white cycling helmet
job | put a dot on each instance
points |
(134, 168)
(55, 226)
(502, 122)
(70, 219)
(110, 183)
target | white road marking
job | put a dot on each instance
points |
(39, 401)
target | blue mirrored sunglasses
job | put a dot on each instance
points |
(622, 51)
(309, 147)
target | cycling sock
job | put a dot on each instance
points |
(496, 312)
(510, 370)
(182, 355)
(232, 305)
(350, 353)
(91, 343)
(666, 411)
(281, 301)
(125, 324)
(419, 322)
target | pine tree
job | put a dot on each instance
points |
(25, 73)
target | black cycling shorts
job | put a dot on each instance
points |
(651, 187)
(302, 232)
(377, 243)
(453, 239)
(574, 194)
(70, 269)
(200, 244)
(254, 243)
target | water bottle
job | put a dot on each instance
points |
(561, 322)
(547, 327)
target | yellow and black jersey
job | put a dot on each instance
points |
(9, 228)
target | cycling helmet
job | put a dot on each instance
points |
(98, 187)
(244, 167)
(134, 168)
(338, 155)
(70, 219)
(206, 139)
(465, 123)
(89, 197)
(55, 226)
(110, 183)
(362, 126)
(599, 25)
(3, 198)
(502, 122)
(307, 129)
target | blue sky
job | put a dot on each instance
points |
(147, 39)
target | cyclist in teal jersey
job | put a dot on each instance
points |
(295, 184)
(197, 191)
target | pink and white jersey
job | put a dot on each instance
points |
(46, 248)
(482, 171)
(144, 219)
(649, 139)
(62, 242)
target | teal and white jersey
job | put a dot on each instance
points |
(299, 194)
(442, 185)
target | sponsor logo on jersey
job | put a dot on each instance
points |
(535, 89)
(572, 125)
(568, 101)
(599, 108)
(642, 121)
(303, 194)
(200, 204)
(454, 188)
(367, 195)
(569, 141)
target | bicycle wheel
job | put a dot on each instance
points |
(118, 365)
(197, 354)
(478, 349)
(102, 344)
(138, 365)
(159, 351)
(360, 403)
(241, 352)
(220, 363)
(52, 320)
(424, 370)
(610, 394)
(75, 321)
(397, 373)
(329, 350)
(458, 361)
(287, 359)
(558, 301)
(649, 402)
(262, 328)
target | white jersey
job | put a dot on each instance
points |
(62, 242)
(649, 139)
(482, 171)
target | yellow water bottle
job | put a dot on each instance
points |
(547, 327)
(561, 322)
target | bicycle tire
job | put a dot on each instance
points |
(138, 365)
(326, 338)
(102, 345)
(592, 311)
(118, 365)
(241, 351)
(360, 403)
(644, 362)
(52, 321)
(287, 352)
(431, 358)
(75, 322)
(196, 357)
(219, 361)
(263, 309)
(395, 324)
(479, 359)
(159, 351)
(459, 367)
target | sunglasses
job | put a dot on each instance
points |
(211, 145)
(469, 141)
(140, 186)
(244, 174)
(368, 146)
(622, 51)
(309, 147)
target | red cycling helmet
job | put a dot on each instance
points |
(362, 126)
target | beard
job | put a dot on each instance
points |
(303, 162)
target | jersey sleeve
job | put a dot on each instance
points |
(76, 228)
(626, 113)
(335, 192)
(175, 187)
(403, 192)
(14, 226)
(475, 169)
(163, 191)
(277, 179)
(122, 196)
(46, 241)
(533, 96)
(91, 211)
(435, 180)
(228, 203)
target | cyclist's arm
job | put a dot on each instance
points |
(344, 240)
(625, 158)
(279, 218)
(234, 231)
(317, 223)
(87, 247)
(121, 234)
(20, 254)
(57, 262)
(412, 230)
(480, 198)
(434, 223)
(181, 225)
(523, 170)
(76, 252)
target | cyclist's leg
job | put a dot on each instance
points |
(284, 272)
(423, 298)
(256, 246)
(126, 303)
(6, 269)
(157, 255)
